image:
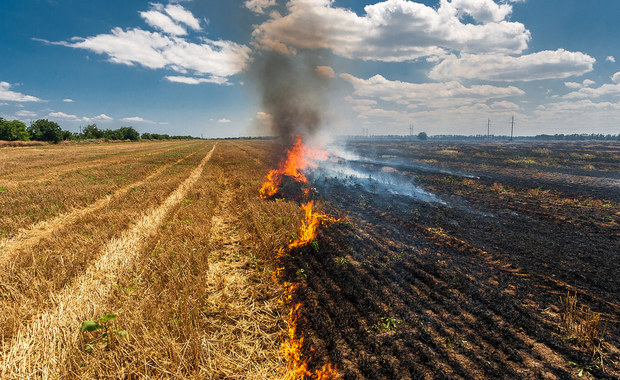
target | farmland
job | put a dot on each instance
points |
(184, 271)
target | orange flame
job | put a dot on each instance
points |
(298, 158)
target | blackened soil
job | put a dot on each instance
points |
(470, 289)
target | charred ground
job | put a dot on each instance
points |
(470, 288)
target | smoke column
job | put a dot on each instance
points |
(292, 92)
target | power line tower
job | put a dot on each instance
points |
(512, 127)
(411, 130)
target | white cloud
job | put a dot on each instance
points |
(585, 83)
(260, 115)
(194, 80)
(180, 14)
(590, 93)
(223, 121)
(588, 82)
(392, 30)
(65, 116)
(157, 51)
(505, 105)
(12, 96)
(482, 10)
(258, 6)
(136, 119)
(325, 72)
(24, 113)
(167, 50)
(498, 67)
(610, 58)
(162, 22)
(616, 77)
(4, 104)
(68, 100)
(430, 95)
(102, 117)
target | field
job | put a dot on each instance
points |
(432, 260)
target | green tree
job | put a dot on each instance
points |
(92, 132)
(422, 136)
(45, 130)
(13, 130)
(129, 133)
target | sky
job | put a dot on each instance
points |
(188, 67)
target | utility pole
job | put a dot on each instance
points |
(488, 129)
(512, 127)
(80, 129)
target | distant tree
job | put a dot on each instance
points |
(422, 136)
(45, 130)
(146, 136)
(13, 130)
(129, 133)
(92, 132)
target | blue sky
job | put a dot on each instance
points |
(184, 67)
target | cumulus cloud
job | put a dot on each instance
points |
(64, 116)
(260, 115)
(136, 119)
(102, 117)
(574, 85)
(167, 48)
(194, 80)
(157, 51)
(616, 77)
(224, 120)
(392, 30)
(182, 15)
(168, 19)
(610, 58)
(68, 100)
(24, 113)
(431, 95)
(325, 72)
(590, 93)
(7, 95)
(482, 10)
(259, 6)
(162, 22)
(546, 64)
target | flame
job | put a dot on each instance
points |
(298, 158)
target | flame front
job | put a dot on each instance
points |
(298, 158)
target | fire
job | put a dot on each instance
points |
(298, 158)
(310, 225)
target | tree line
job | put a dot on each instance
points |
(45, 130)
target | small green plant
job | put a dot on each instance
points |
(315, 245)
(301, 273)
(454, 341)
(342, 260)
(584, 368)
(3, 189)
(387, 324)
(107, 334)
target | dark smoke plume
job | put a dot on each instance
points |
(292, 92)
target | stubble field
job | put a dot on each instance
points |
(183, 272)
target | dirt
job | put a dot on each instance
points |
(470, 288)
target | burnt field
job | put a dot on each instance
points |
(454, 260)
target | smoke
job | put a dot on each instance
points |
(292, 91)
